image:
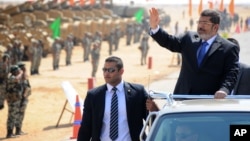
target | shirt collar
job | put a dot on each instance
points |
(119, 86)
(211, 40)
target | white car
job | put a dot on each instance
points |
(207, 119)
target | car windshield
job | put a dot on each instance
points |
(197, 126)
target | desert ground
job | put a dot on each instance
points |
(48, 98)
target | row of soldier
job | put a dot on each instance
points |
(17, 52)
(34, 53)
(15, 86)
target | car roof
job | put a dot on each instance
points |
(208, 105)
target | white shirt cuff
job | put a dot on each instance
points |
(153, 31)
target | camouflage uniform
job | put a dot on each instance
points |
(117, 37)
(144, 47)
(24, 100)
(86, 44)
(111, 40)
(4, 69)
(9, 52)
(14, 91)
(17, 52)
(98, 36)
(56, 51)
(68, 46)
(36, 52)
(137, 33)
(95, 56)
(129, 33)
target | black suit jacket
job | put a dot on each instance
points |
(94, 106)
(242, 85)
(218, 70)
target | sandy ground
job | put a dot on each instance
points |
(48, 98)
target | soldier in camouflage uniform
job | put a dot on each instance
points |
(138, 31)
(95, 57)
(144, 47)
(36, 53)
(56, 51)
(86, 44)
(111, 40)
(24, 100)
(129, 33)
(14, 92)
(4, 70)
(68, 47)
(117, 37)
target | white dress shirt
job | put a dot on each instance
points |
(123, 130)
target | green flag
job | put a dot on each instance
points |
(139, 15)
(55, 27)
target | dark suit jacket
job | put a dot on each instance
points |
(219, 68)
(94, 106)
(242, 85)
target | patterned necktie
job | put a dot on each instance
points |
(202, 52)
(113, 132)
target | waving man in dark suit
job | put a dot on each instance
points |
(210, 63)
(98, 120)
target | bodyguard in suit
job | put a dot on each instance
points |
(210, 63)
(97, 121)
(242, 83)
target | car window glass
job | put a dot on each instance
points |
(209, 126)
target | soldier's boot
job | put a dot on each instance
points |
(1, 106)
(19, 131)
(37, 72)
(10, 134)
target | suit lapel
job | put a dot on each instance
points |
(101, 100)
(129, 99)
(213, 48)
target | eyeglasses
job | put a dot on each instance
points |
(109, 70)
(203, 23)
(183, 136)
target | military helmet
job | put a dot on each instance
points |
(13, 68)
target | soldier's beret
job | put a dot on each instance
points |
(13, 68)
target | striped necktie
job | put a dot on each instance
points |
(202, 52)
(113, 132)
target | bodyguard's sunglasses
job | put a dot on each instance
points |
(109, 70)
